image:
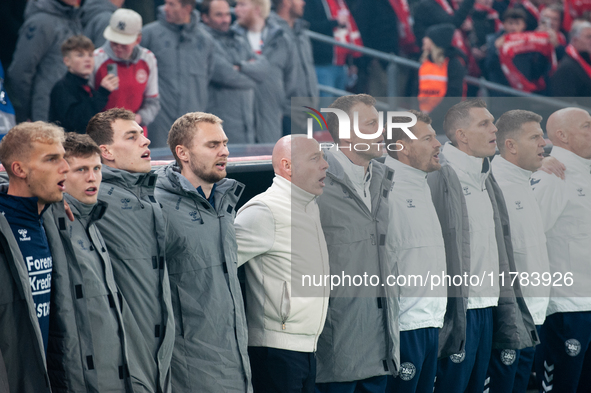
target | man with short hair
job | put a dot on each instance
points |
(134, 65)
(33, 156)
(280, 236)
(85, 304)
(474, 221)
(210, 352)
(134, 231)
(573, 76)
(415, 242)
(359, 345)
(562, 364)
(228, 100)
(187, 62)
(272, 96)
(521, 143)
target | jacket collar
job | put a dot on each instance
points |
(355, 173)
(571, 160)
(510, 172)
(135, 56)
(298, 195)
(128, 180)
(189, 27)
(23, 207)
(474, 169)
(406, 173)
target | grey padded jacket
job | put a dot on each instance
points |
(22, 356)
(210, 351)
(513, 326)
(38, 62)
(134, 230)
(96, 15)
(86, 351)
(361, 337)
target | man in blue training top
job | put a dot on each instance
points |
(33, 156)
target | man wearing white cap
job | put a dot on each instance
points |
(136, 67)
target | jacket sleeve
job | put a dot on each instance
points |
(549, 191)
(33, 41)
(562, 83)
(255, 231)
(73, 113)
(256, 68)
(151, 105)
(225, 75)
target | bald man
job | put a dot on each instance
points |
(279, 234)
(565, 205)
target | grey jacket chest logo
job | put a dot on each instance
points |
(466, 191)
(193, 215)
(24, 237)
(125, 202)
(81, 244)
(409, 203)
(580, 191)
(518, 204)
(110, 192)
(31, 32)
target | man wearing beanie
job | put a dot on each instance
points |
(136, 67)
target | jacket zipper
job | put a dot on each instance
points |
(285, 306)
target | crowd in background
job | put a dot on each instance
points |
(243, 60)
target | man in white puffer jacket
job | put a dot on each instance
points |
(280, 236)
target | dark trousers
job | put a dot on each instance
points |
(466, 372)
(418, 362)
(279, 370)
(563, 358)
(369, 385)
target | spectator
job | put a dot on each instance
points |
(12, 16)
(476, 320)
(573, 76)
(33, 156)
(288, 16)
(37, 64)
(279, 235)
(513, 22)
(531, 10)
(85, 309)
(185, 67)
(7, 119)
(96, 15)
(134, 65)
(359, 345)
(441, 73)
(231, 103)
(485, 21)
(435, 12)
(565, 204)
(267, 38)
(521, 142)
(198, 205)
(332, 18)
(134, 232)
(415, 240)
(73, 103)
(550, 22)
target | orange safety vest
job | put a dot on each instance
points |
(432, 84)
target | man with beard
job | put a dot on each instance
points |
(133, 229)
(33, 156)
(415, 242)
(210, 351)
(359, 345)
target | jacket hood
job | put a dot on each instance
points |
(94, 7)
(179, 28)
(135, 56)
(84, 211)
(128, 180)
(54, 7)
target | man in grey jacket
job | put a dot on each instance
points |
(188, 61)
(475, 226)
(265, 37)
(37, 64)
(359, 345)
(134, 231)
(96, 15)
(230, 101)
(85, 303)
(210, 351)
(288, 15)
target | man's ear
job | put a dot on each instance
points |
(562, 135)
(511, 146)
(182, 153)
(405, 144)
(461, 136)
(18, 169)
(286, 165)
(106, 153)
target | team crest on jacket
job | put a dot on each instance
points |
(409, 202)
(407, 371)
(141, 76)
(24, 237)
(508, 356)
(518, 204)
(572, 347)
(125, 202)
(458, 357)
